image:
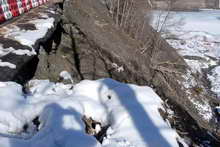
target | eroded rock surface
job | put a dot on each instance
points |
(102, 49)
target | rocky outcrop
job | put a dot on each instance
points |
(20, 40)
(94, 47)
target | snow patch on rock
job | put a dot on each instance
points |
(203, 107)
(214, 78)
(7, 64)
(66, 76)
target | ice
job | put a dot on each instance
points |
(131, 111)
(195, 21)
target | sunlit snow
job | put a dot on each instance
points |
(130, 110)
(25, 37)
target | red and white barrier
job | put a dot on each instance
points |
(13, 8)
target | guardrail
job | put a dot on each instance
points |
(13, 8)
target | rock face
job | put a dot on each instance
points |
(92, 47)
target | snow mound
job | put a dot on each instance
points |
(131, 111)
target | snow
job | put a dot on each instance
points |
(196, 36)
(66, 76)
(23, 36)
(189, 80)
(203, 106)
(7, 64)
(202, 22)
(131, 111)
(194, 21)
(193, 34)
(98, 128)
(217, 108)
(5, 51)
(214, 78)
(24, 52)
(118, 68)
(196, 65)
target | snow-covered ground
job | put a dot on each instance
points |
(196, 36)
(131, 111)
